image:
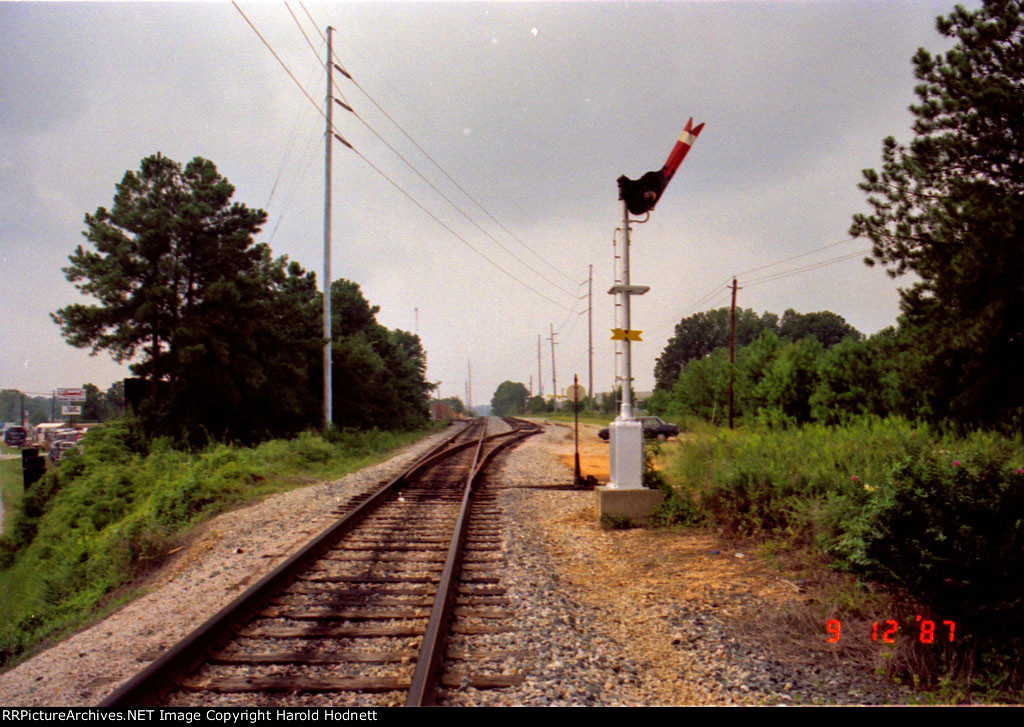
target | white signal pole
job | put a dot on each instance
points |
(626, 438)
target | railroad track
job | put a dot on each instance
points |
(363, 613)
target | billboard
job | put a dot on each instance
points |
(71, 394)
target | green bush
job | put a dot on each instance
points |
(938, 518)
(947, 527)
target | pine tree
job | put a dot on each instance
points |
(950, 208)
(223, 332)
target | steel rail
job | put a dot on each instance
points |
(156, 681)
(423, 687)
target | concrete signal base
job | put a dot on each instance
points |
(637, 505)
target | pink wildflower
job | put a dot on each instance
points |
(853, 478)
(956, 463)
(1019, 470)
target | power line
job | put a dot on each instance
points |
(453, 232)
(806, 268)
(772, 276)
(456, 207)
(334, 84)
(283, 64)
(381, 173)
(307, 161)
(288, 148)
(450, 178)
(691, 307)
(795, 257)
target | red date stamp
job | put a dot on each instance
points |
(885, 631)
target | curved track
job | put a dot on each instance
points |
(365, 607)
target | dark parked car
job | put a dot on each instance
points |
(654, 428)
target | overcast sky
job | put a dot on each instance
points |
(535, 109)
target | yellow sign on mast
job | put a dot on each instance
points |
(621, 334)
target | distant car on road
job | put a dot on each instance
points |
(654, 428)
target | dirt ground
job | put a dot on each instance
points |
(662, 571)
(593, 451)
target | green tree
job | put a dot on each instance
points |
(536, 405)
(115, 398)
(95, 407)
(701, 333)
(509, 399)
(702, 389)
(784, 391)
(827, 327)
(950, 209)
(379, 376)
(220, 330)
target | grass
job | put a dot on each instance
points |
(586, 417)
(10, 490)
(83, 532)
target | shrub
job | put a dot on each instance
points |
(936, 518)
(946, 527)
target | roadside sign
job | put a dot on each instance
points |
(69, 410)
(575, 392)
(15, 436)
(71, 394)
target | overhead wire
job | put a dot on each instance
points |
(456, 207)
(796, 257)
(445, 172)
(383, 174)
(772, 276)
(283, 64)
(288, 149)
(307, 160)
(805, 268)
(302, 30)
(453, 232)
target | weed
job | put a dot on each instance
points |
(616, 522)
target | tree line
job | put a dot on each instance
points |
(227, 338)
(779, 379)
(947, 207)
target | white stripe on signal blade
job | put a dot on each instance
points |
(687, 138)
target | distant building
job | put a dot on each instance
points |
(440, 412)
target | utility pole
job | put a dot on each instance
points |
(531, 386)
(328, 143)
(554, 380)
(732, 346)
(416, 311)
(540, 380)
(590, 332)
(469, 385)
